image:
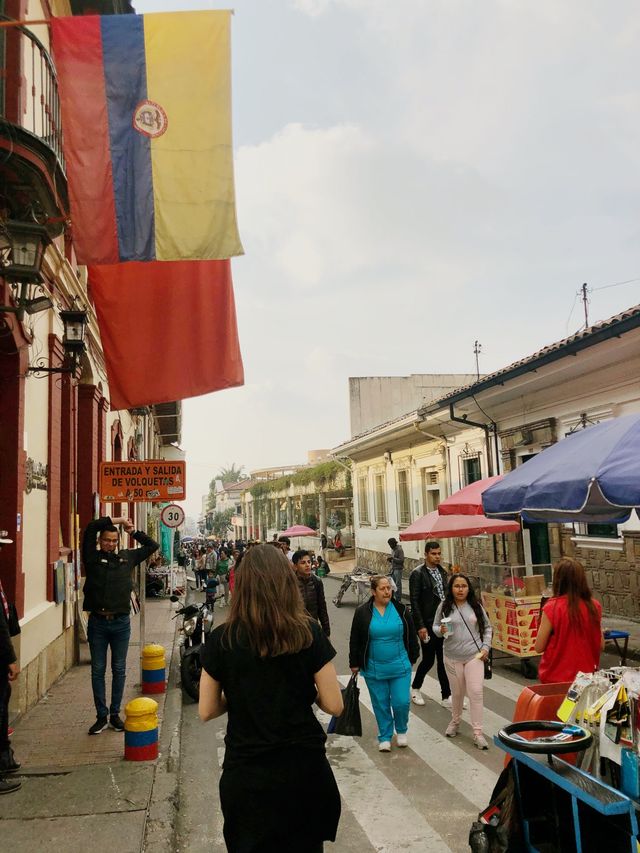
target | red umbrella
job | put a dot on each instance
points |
(436, 526)
(299, 530)
(468, 501)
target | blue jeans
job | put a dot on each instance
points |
(102, 634)
(390, 701)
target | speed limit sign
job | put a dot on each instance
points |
(172, 515)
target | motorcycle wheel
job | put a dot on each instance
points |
(190, 670)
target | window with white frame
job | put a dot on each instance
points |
(363, 499)
(471, 469)
(430, 490)
(381, 498)
(404, 497)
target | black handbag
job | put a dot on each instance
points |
(488, 663)
(13, 622)
(349, 722)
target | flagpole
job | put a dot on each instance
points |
(43, 22)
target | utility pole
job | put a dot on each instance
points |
(477, 349)
(585, 303)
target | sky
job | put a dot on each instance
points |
(412, 177)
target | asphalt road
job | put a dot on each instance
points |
(419, 799)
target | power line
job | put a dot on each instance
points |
(615, 284)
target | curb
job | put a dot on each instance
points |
(162, 809)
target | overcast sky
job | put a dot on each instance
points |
(411, 177)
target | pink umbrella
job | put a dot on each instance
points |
(298, 530)
(434, 525)
(468, 501)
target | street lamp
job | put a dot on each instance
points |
(75, 324)
(22, 248)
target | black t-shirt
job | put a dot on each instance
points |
(269, 700)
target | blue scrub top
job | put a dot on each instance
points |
(387, 656)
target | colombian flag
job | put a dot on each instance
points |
(146, 109)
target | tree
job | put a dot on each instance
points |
(228, 474)
(218, 522)
(231, 474)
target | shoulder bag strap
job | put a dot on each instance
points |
(468, 629)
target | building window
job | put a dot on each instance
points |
(599, 531)
(404, 497)
(381, 499)
(471, 469)
(430, 491)
(363, 500)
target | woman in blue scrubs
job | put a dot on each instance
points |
(383, 646)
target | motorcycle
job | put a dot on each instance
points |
(197, 622)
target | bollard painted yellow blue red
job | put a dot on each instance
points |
(154, 677)
(141, 730)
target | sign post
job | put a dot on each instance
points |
(172, 516)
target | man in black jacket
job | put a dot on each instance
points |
(427, 586)
(311, 590)
(107, 597)
(9, 671)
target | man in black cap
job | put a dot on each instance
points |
(9, 671)
(107, 597)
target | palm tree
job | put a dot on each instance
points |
(231, 474)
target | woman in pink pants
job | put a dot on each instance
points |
(464, 624)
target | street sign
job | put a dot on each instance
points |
(172, 515)
(148, 480)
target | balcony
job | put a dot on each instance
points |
(32, 175)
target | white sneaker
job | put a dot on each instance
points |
(447, 703)
(417, 697)
(401, 741)
(452, 729)
(384, 746)
(480, 741)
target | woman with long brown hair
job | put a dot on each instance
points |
(570, 632)
(265, 667)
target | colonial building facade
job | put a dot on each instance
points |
(404, 467)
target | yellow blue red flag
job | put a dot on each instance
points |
(146, 110)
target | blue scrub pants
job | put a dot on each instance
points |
(390, 699)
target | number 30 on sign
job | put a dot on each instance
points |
(172, 515)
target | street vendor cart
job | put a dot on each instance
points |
(512, 596)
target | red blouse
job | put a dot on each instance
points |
(572, 648)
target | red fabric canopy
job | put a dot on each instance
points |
(298, 530)
(436, 526)
(468, 501)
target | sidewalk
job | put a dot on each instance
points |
(78, 790)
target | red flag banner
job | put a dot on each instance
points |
(168, 330)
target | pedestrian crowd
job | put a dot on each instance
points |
(271, 661)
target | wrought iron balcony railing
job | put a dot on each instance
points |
(29, 86)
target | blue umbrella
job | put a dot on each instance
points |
(592, 476)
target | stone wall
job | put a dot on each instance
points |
(614, 576)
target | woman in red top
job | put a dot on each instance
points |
(570, 633)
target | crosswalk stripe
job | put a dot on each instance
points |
(357, 776)
(469, 777)
(503, 687)
(492, 722)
